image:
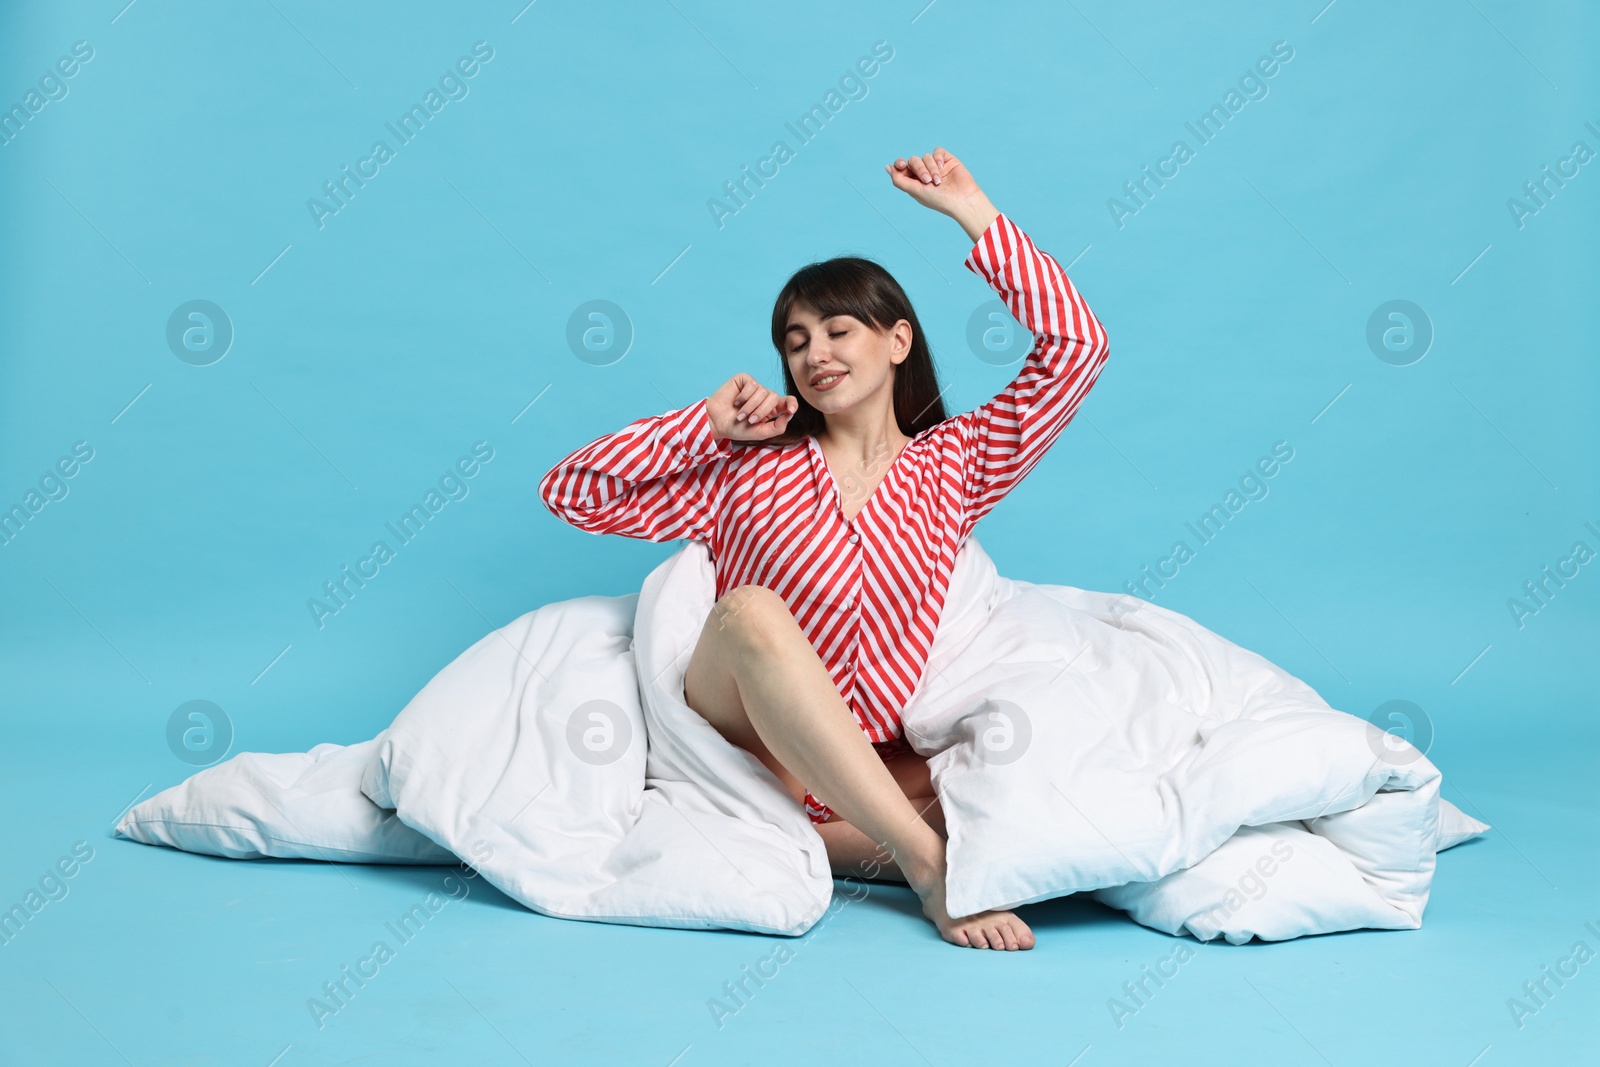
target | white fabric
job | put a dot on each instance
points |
(1140, 743)
(687, 831)
(290, 805)
(1078, 741)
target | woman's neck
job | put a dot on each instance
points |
(859, 443)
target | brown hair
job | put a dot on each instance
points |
(850, 285)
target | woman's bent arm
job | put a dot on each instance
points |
(656, 479)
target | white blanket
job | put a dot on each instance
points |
(1077, 740)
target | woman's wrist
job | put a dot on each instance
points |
(975, 215)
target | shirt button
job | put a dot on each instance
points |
(854, 538)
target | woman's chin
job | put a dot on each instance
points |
(828, 402)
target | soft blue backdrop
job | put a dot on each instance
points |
(431, 312)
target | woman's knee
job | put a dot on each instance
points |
(735, 628)
(751, 615)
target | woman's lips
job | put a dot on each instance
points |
(827, 383)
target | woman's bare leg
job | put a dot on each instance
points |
(755, 677)
(852, 854)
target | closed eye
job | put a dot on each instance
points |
(831, 333)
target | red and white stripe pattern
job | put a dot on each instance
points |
(868, 592)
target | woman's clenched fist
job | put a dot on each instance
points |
(742, 409)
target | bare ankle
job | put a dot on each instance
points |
(924, 874)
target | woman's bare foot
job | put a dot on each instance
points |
(985, 929)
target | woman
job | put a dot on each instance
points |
(833, 513)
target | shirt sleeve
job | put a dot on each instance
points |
(1005, 438)
(656, 479)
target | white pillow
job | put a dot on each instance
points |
(291, 805)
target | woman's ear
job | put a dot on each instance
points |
(900, 341)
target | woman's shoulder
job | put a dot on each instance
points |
(940, 434)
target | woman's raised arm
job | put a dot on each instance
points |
(1005, 438)
(1008, 436)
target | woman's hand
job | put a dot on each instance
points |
(936, 179)
(940, 181)
(742, 409)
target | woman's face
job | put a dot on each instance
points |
(861, 359)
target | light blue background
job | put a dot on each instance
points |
(432, 311)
